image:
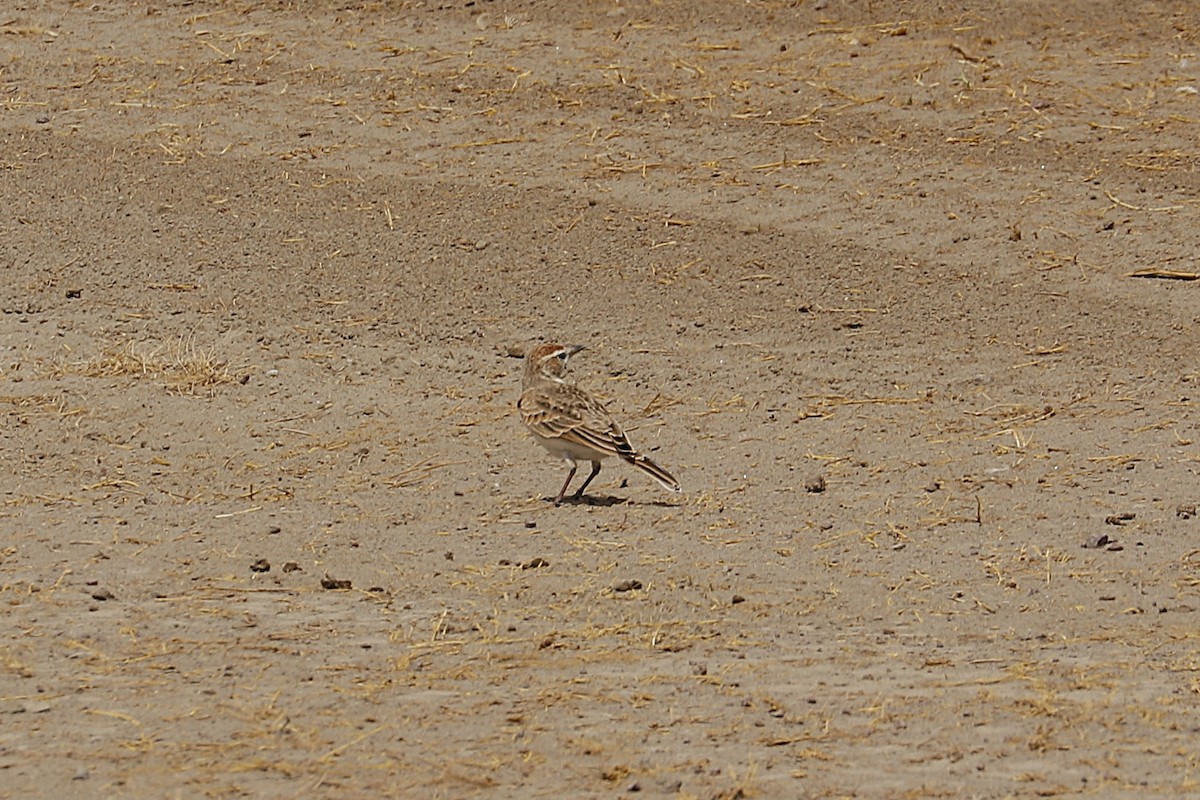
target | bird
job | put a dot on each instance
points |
(572, 424)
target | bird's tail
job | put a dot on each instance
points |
(664, 478)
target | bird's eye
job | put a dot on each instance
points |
(562, 356)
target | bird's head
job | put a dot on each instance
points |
(549, 361)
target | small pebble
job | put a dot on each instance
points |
(334, 583)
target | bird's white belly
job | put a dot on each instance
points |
(568, 450)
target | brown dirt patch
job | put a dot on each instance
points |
(859, 274)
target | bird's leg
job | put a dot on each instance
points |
(595, 472)
(566, 483)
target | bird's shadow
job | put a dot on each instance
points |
(592, 500)
(607, 501)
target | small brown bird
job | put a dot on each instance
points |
(572, 424)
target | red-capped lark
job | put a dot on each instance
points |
(572, 424)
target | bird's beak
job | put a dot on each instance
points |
(572, 349)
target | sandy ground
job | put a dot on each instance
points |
(862, 275)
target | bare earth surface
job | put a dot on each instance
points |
(858, 273)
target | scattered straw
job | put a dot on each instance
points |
(417, 473)
(183, 368)
(250, 510)
(342, 747)
(1165, 274)
(488, 142)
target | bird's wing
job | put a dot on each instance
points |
(567, 413)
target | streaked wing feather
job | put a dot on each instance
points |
(597, 440)
(565, 412)
(546, 423)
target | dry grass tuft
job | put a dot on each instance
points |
(182, 367)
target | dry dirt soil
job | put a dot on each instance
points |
(899, 291)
